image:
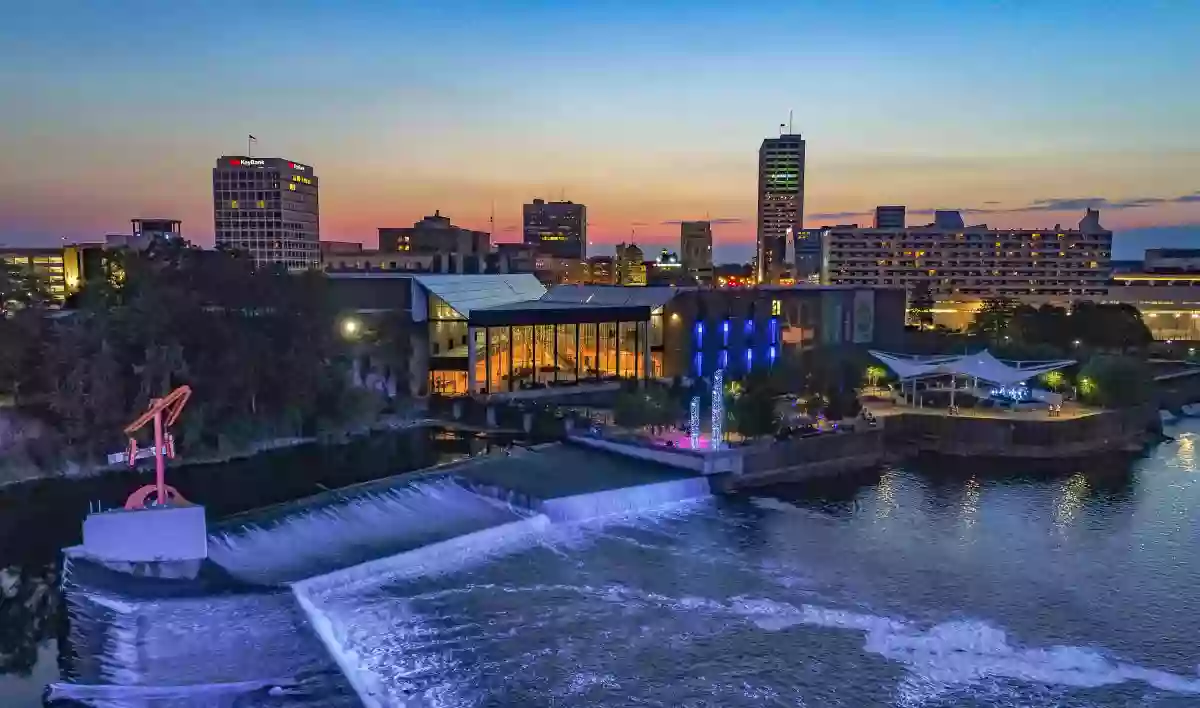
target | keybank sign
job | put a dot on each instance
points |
(251, 162)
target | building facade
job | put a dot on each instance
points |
(1165, 288)
(781, 210)
(269, 208)
(695, 249)
(630, 265)
(961, 265)
(890, 217)
(434, 234)
(556, 228)
(58, 271)
(503, 334)
(521, 258)
(561, 271)
(1172, 260)
(744, 329)
(603, 270)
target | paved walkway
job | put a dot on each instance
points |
(882, 409)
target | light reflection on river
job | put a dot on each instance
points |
(918, 586)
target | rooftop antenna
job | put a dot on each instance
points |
(492, 221)
(790, 122)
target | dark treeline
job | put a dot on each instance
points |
(259, 347)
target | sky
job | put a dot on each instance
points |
(648, 113)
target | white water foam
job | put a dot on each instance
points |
(628, 500)
(325, 538)
(444, 557)
(773, 504)
(121, 662)
(959, 653)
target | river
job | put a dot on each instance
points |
(914, 586)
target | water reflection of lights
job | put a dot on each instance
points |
(1070, 501)
(1185, 452)
(970, 502)
(886, 490)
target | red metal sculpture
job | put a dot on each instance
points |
(170, 406)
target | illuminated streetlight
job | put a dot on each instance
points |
(350, 327)
(1076, 342)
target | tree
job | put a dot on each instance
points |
(259, 347)
(28, 615)
(1115, 381)
(752, 411)
(1046, 325)
(920, 305)
(994, 316)
(1111, 327)
(840, 405)
(642, 408)
(874, 374)
(1054, 380)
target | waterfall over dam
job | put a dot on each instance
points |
(154, 648)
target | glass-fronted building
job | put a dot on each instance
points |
(504, 334)
(539, 344)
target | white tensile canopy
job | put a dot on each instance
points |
(981, 365)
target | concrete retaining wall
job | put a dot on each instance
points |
(767, 462)
(165, 533)
(706, 463)
(1051, 438)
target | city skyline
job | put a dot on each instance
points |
(648, 116)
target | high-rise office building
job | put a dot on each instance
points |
(268, 207)
(695, 248)
(781, 210)
(556, 228)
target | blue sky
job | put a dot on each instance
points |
(647, 112)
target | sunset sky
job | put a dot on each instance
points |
(648, 112)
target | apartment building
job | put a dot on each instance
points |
(961, 265)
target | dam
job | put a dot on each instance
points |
(567, 576)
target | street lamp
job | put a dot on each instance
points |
(350, 327)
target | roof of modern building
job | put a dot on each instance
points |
(464, 292)
(471, 292)
(651, 296)
(981, 365)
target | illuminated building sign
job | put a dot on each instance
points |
(255, 162)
